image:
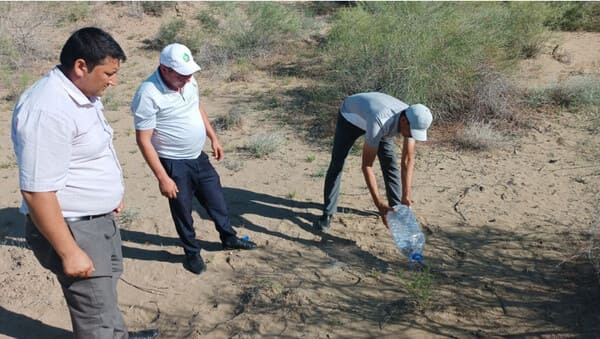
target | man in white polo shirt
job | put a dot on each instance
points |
(379, 117)
(71, 181)
(171, 129)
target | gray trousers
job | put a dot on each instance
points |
(345, 136)
(92, 301)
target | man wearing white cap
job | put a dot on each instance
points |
(171, 129)
(379, 117)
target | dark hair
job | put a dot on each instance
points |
(92, 45)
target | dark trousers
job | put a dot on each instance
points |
(197, 178)
(345, 136)
(92, 301)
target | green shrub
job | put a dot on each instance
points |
(574, 16)
(574, 93)
(259, 27)
(208, 21)
(434, 53)
(170, 32)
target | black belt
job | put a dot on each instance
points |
(75, 219)
(85, 217)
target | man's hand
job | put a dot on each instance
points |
(406, 202)
(168, 188)
(383, 211)
(119, 208)
(77, 264)
(217, 150)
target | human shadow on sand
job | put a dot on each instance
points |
(12, 229)
(12, 233)
(242, 203)
(15, 325)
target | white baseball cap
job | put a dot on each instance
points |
(179, 58)
(419, 117)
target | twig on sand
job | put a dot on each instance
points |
(144, 289)
(492, 289)
(461, 197)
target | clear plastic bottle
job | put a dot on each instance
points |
(406, 233)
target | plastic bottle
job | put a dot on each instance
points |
(406, 233)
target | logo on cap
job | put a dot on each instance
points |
(186, 57)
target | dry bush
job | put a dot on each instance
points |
(264, 144)
(231, 120)
(20, 27)
(478, 136)
(495, 98)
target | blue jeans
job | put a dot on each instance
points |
(196, 178)
(345, 136)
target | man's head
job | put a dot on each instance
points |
(91, 59)
(414, 122)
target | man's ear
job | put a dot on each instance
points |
(80, 68)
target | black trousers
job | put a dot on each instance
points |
(197, 178)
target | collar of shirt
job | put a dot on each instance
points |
(74, 92)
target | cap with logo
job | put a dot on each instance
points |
(179, 58)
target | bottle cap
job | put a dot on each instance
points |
(417, 257)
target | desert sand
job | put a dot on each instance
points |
(507, 230)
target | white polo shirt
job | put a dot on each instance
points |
(374, 112)
(63, 143)
(179, 131)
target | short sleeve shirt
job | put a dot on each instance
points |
(63, 143)
(179, 131)
(375, 113)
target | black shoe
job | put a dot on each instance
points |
(233, 243)
(145, 334)
(323, 223)
(194, 264)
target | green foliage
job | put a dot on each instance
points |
(420, 285)
(259, 27)
(573, 93)
(208, 21)
(574, 16)
(174, 31)
(167, 33)
(433, 53)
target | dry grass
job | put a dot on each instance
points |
(264, 144)
(231, 120)
(478, 136)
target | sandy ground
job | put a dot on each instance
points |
(506, 230)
